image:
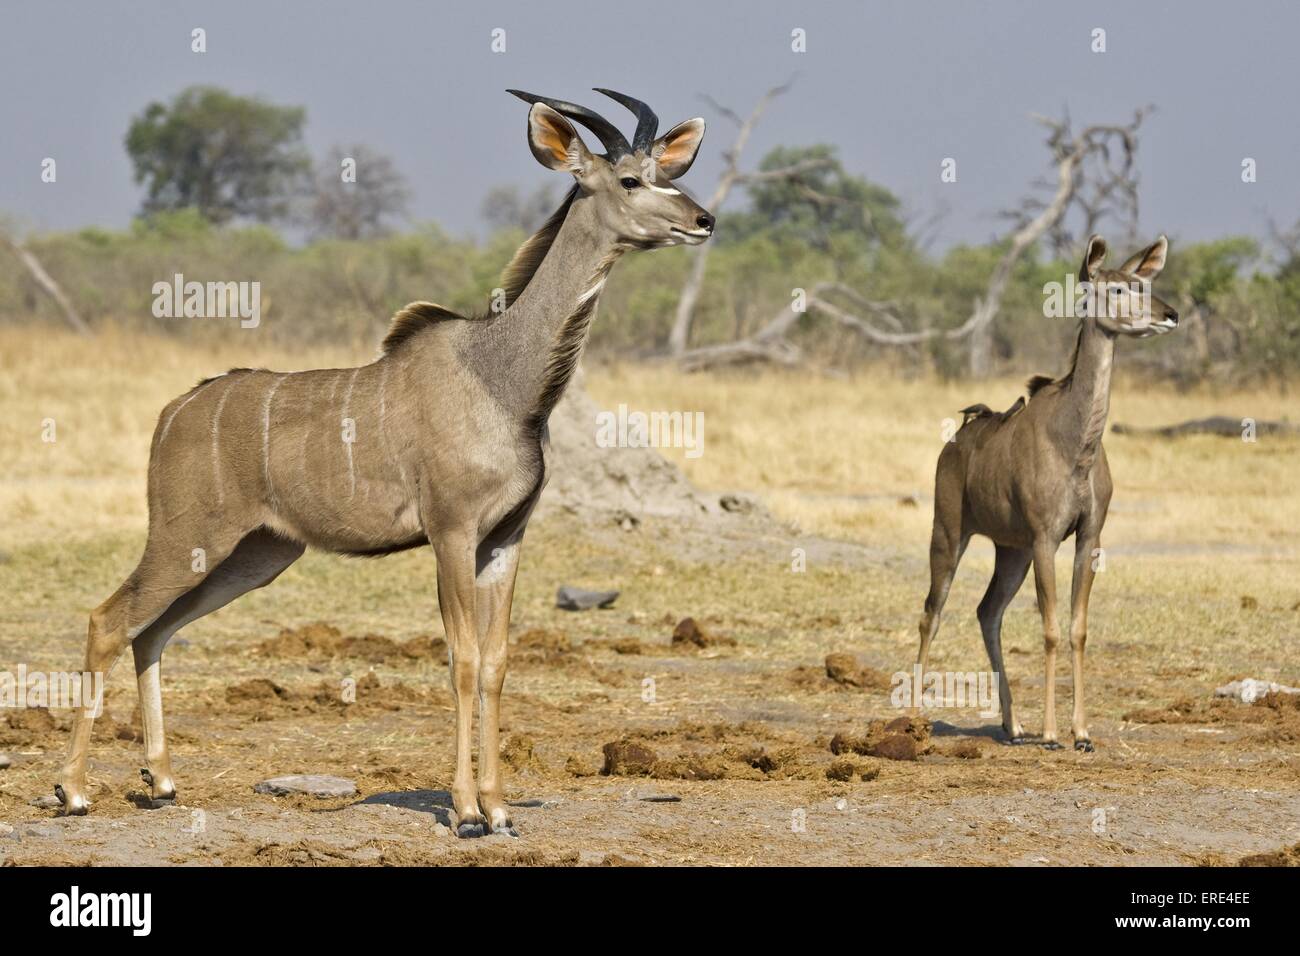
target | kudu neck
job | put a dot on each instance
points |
(546, 327)
(1082, 423)
(565, 273)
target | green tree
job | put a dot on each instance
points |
(819, 204)
(226, 156)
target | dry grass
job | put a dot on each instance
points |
(1197, 523)
(835, 456)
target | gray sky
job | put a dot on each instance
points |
(896, 86)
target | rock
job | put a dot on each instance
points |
(576, 599)
(48, 802)
(311, 784)
(4, 761)
(1250, 690)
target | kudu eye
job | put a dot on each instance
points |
(629, 182)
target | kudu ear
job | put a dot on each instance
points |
(675, 150)
(555, 142)
(1093, 257)
(1148, 263)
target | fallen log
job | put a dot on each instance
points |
(1221, 425)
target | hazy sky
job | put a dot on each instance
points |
(896, 86)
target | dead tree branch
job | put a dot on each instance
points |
(1088, 177)
(47, 283)
(731, 177)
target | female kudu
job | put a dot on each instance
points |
(1033, 475)
(442, 440)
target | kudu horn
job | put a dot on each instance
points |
(616, 145)
(647, 124)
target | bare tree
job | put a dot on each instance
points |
(505, 207)
(355, 194)
(1094, 172)
(731, 177)
(45, 281)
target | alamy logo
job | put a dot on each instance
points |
(946, 689)
(59, 689)
(74, 908)
(624, 429)
(211, 300)
(1081, 299)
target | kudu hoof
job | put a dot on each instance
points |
(1051, 745)
(1084, 745)
(471, 831)
(156, 801)
(1016, 741)
(77, 807)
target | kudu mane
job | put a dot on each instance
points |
(1035, 384)
(514, 279)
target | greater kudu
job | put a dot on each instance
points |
(442, 440)
(1033, 475)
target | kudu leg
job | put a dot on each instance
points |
(1010, 568)
(1045, 579)
(1080, 592)
(257, 561)
(456, 601)
(143, 598)
(947, 545)
(495, 592)
(109, 632)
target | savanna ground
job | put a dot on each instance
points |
(730, 759)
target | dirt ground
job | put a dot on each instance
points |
(730, 760)
(736, 744)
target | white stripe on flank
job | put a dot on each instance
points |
(347, 400)
(266, 438)
(216, 434)
(176, 411)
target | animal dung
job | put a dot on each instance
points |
(688, 631)
(903, 738)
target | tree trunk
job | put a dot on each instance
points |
(51, 288)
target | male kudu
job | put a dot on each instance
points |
(442, 440)
(1033, 475)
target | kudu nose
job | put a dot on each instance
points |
(704, 221)
(1172, 316)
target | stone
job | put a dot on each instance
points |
(309, 784)
(576, 599)
(1250, 690)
